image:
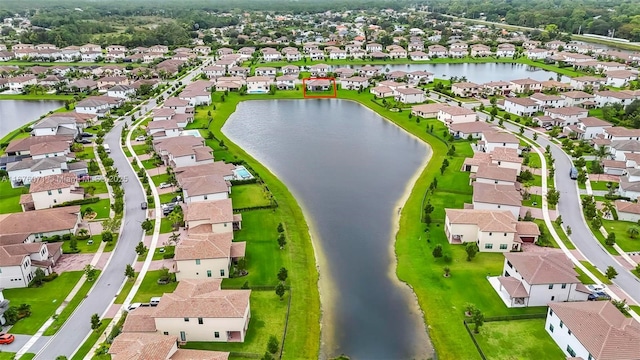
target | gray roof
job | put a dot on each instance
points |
(78, 165)
(51, 122)
(120, 88)
(38, 165)
(626, 145)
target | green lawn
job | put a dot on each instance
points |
(158, 255)
(102, 208)
(150, 288)
(496, 340)
(82, 245)
(635, 308)
(267, 318)
(43, 300)
(602, 185)
(165, 226)
(91, 340)
(165, 198)
(533, 201)
(140, 149)
(563, 236)
(151, 163)
(71, 306)
(603, 279)
(536, 181)
(249, 195)
(583, 277)
(10, 197)
(534, 160)
(87, 154)
(33, 96)
(94, 187)
(158, 179)
(27, 356)
(124, 292)
(545, 230)
(623, 239)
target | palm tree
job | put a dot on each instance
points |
(607, 208)
(601, 152)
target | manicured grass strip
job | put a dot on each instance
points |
(150, 287)
(43, 300)
(496, 340)
(91, 340)
(34, 96)
(102, 208)
(635, 308)
(165, 226)
(563, 236)
(125, 290)
(10, 197)
(95, 187)
(623, 239)
(268, 314)
(7, 355)
(250, 195)
(70, 308)
(158, 179)
(534, 201)
(602, 185)
(28, 356)
(534, 160)
(543, 228)
(583, 277)
(595, 272)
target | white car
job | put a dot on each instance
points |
(596, 287)
(164, 185)
(134, 306)
(141, 138)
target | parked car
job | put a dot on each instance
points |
(143, 206)
(164, 185)
(134, 306)
(167, 208)
(85, 134)
(154, 301)
(83, 141)
(141, 138)
(596, 288)
(7, 339)
(598, 296)
(176, 199)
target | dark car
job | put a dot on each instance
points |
(167, 208)
(86, 134)
(143, 206)
(598, 296)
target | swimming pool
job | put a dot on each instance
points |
(242, 173)
(195, 133)
(257, 91)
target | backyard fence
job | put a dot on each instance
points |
(474, 340)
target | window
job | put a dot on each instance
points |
(499, 206)
(48, 192)
(488, 246)
(564, 286)
(590, 357)
(509, 263)
(216, 335)
(221, 272)
(503, 246)
(570, 351)
(551, 327)
(550, 286)
(561, 324)
(495, 181)
(197, 261)
(569, 331)
(59, 191)
(550, 312)
(553, 298)
(55, 201)
(505, 234)
(490, 233)
(186, 319)
(208, 273)
(200, 321)
(205, 197)
(166, 333)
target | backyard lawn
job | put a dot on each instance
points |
(95, 187)
(249, 195)
(623, 239)
(496, 339)
(43, 300)
(150, 287)
(10, 197)
(71, 306)
(267, 318)
(102, 208)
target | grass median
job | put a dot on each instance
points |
(70, 308)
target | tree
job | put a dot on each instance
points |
(282, 240)
(611, 273)
(129, 272)
(61, 357)
(553, 196)
(535, 136)
(452, 151)
(280, 228)
(521, 130)
(569, 230)
(38, 277)
(176, 217)
(273, 344)
(140, 248)
(111, 225)
(11, 315)
(267, 355)
(633, 231)
(472, 250)
(107, 236)
(283, 274)
(437, 251)
(147, 225)
(580, 162)
(621, 305)
(95, 321)
(611, 239)
(558, 220)
(90, 272)
(478, 320)
(280, 290)
(447, 271)
(445, 164)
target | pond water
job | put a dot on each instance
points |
(15, 113)
(349, 168)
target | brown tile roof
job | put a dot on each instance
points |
(577, 95)
(496, 194)
(527, 228)
(486, 220)
(549, 267)
(12, 255)
(594, 121)
(218, 168)
(522, 101)
(179, 145)
(40, 221)
(163, 124)
(205, 246)
(493, 136)
(614, 164)
(26, 143)
(48, 147)
(627, 207)
(203, 153)
(140, 320)
(568, 111)
(203, 298)
(132, 346)
(456, 110)
(493, 172)
(471, 127)
(505, 154)
(618, 131)
(53, 182)
(215, 212)
(601, 329)
(203, 185)
(514, 287)
(186, 354)
(26, 199)
(175, 102)
(527, 81)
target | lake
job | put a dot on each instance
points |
(15, 113)
(479, 72)
(348, 168)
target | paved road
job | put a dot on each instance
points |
(570, 209)
(72, 334)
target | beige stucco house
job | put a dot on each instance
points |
(212, 217)
(48, 191)
(203, 256)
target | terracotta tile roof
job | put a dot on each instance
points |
(163, 124)
(40, 221)
(203, 185)
(456, 111)
(527, 228)
(620, 131)
(238, 249)
(218, 168)
(626, 145)
(514, 287)
(632, 157)
(132, 346)
(140, 320)
(471, 127)
(48, 147)
(175, 102)
(162, 112)
(203, 153)
(486, 220)
(549, 267)
(614, 164)
(205, 246)
(12, 255)
(26, 143)
(493, 172)
(179, 145)
(627, 207)
(527, 81)
(577, 95)
(215, 212)
(26, 199)
(186, 354)
(478, 159)
(203, 298)
(521, 101)
(496, 194)
(567, 111)
(505, 154)
(601, 329)
(594, 121)
(53, 182)
(466, 85)
(500, 137)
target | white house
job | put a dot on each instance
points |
(121, 91)
(526, 85)
(204, 188)
(258, 84)
(536, 54)
(52, 125)
(628, 211)
(594, 330)
(373, 47)
(505, 50)
(584, 82)
(620, 78)
(575, 98)
(547, 101)
(591, 127)
(183, 151)
(495, 139)
(214, 71)
(466, 89)
(464, 130)
(497, 197)
(456, 115)
(286, 82)
(48, 191)
(494, 174)
(608, 97)
(23, 172)
(410, 95)
(567, 115)
(211, 217)
(160, 129)
(521, 106)
(538, 278)
(436, 51)
(621, 133)
(265, 71)
(354, 83)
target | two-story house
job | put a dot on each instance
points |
(212, 216)
(48, 191)
(521, 106)
(203, 256)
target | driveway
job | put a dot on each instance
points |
(21, 340)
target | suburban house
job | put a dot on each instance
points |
(497, 197)
(121, 91)
(521, 106)
(494, 174)
(586, 82)
(19, 262)
(354, 83)
(214, 71)
(161, 129)
(594, 330)
(491, 140)
(608, 97)
(576, 98)
(23, 146)
(258, 84)
(183, 151)
(211, 217)
(204, 187)
(265, 71)
(538, 278)
(547, 101)
(131, 345)
(630, 184)
(621, 133)
(203, 256)
(197, 310)
(23, 172)
(496, 88)
(456, 115)
(50, 190)
(57, 126)
(466, 89)
(427, 111)
(491, 230)
(51, 149)
(536, 54)
(526, 85)
(618, 148)
(614, 167)
(620, 78)
(197, 93)
(216, 168)
(506, 50)
(409, 95)
(286, 82)
(566, 115)
(473, 129)
(627, 211)
(590, 127)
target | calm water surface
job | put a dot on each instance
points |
(348, 167)
(15, 113)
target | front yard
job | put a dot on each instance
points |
(623, 239)
(150, 287)
(43, 300)
(70, 308)
(517, 339)
(94, 187)
(101, 208)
